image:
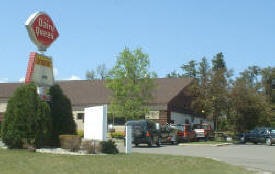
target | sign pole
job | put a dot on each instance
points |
(128, 148)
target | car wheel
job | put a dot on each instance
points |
(255, 142)
(268, 142)
(136, 145)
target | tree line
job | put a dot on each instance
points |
(233, 103)
(237, 104)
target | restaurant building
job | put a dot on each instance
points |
(171, 101)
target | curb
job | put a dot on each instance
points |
(215, 145)
(223, 144)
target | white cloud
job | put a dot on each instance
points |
(3, 80)
(22, 79)
(73, 77)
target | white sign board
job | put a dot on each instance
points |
(152, 115)
(95, 123)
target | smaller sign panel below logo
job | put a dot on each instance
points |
(40, 70)
(42, 30)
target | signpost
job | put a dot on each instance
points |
(128, 148)
(43, 33)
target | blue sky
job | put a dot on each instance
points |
(171, 32)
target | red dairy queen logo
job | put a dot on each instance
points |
(42, 30)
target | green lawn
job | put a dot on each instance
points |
(24, 162)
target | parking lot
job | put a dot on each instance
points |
(250, 156)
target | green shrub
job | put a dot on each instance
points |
(80, 133)
(71, 142)
(120, 135)
(61, 115)
(26, 118)
(109, 147)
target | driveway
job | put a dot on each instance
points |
(250, 156)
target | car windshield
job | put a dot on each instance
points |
(272, 131)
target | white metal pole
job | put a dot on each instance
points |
(128, 148)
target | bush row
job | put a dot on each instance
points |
(74, 144)
(120, 135)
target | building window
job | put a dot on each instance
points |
(80, 116)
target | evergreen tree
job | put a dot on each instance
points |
(190, 69)
(200, 89)
(61, 115)
(218, 89)
(27, 118)
(174, 74)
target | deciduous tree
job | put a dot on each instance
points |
(131, 84)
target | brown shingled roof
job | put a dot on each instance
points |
(93, 92)
(6, 89)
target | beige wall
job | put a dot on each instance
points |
(3, 107)
(79, 122)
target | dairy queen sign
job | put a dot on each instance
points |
(43, 33)
(42, 30)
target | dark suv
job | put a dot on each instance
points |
(144, 132)
(257, 135)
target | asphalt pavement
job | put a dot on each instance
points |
(251, 156)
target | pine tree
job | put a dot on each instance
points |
(27, 118)
(61, 115)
